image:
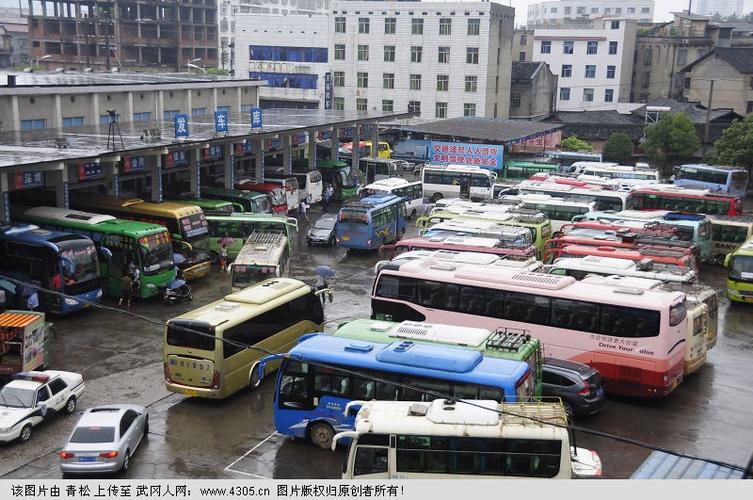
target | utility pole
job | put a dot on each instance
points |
(708, 117)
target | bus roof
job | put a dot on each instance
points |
(33, 234)
(555, 187)
(502, 226)
(374, 201)
(476, 258)
(739, 220)
(231, 193)
(624, 267)
(248, 217)
(471, 169)
(704, 166)
(391, 183)
(677, 191)
(137, 205)
(262, 247)
(90, 221)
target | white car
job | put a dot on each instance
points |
(33, 397)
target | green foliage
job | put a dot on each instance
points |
(735, 146)
(572, 143)
(672, 139)
(618, 148)
(217, 71)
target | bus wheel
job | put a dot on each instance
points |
(321, 434)
(719, 259)
(254, 380)
(436, 197)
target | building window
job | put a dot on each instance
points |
(611, 70)
(646, 78)
(749, 107)
(588, 95)
(389, 53)
(590, 71)
(443, 55)
(546, 47)
(340, 51)
(415, 54)
(750, 83)
(219, 108)
(608, 95)
(567, 70)
(682, 56)
(445, 26)
(362, 80)
(474, 26)
(388, 80)
(594, 10)
(515, 100)
(168, 114)
(592, 47)
(145, 116)
(363, 52)
(73, 121)
(441, 110)
(471, 55)
(338, 79)
(388, 106)
(565, 94)
(471, 83)
(607, 11)
(648, 56)
(523, 40)
(580, 10)
(522, 56)
(645, 10)
(414, 107)
(613, 48)
(390, 25)
(338, 103)
(363, 24)
(339, 25)
(631, 10)
(469, 109)
(198, 111)
(618, 10)
(443, 83)
(416, 26)
(615, 25)
(568, 10)
(362, 104)
(415, 82)
(687, 83)
(567, 47)
(553, 10)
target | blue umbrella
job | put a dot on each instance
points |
(178, 258)
(324, 271)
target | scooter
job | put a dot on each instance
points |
(177, 291)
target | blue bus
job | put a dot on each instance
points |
(310, 399)
(729, 180)
(65, 262)
(371, 222)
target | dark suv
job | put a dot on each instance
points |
(578, 385)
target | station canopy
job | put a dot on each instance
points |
(478, 129)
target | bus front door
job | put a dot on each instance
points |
(465, 187)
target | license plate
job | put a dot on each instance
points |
(87, 459)
(190, 393)
(346, 237)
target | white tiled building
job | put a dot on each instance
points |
(442, 60)
(594, 66)
(563, 11)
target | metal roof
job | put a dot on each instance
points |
(484, 129)
(53, 79)
(660, 465)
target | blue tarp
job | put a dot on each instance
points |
(660, 465)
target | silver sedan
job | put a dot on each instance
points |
(104, 439)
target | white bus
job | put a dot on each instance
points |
(410, 191)
(310, 185)
(618, 172)
(530, 264)
(608, 266)
(605, 199)
(461, 439)
(292, 192)
(264, 255)
(457, 181)
(559, 211)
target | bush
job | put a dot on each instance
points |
(572, 143)
(618, 148)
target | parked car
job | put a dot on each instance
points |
(322, 232)
(579, 386)
(104, 439)
(33, 397)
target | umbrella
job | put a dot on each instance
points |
(227, 241)
(7, 285)
(178, 258)
(176, 283)
(324, 271)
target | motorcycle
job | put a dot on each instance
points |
(177, 291)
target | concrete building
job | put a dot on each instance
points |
(594, 66)
(77, 34)
(533, 91)
(568, 12)
(522, 45)
(439, 60)
(724, 8)
(41, 101)
(731, 71)
(14, 38)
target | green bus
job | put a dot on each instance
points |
(211, 207)
(248, 201)
(740, 276)
(238, 227)
(522, 170)
(507, 343)
(336, 173)
(148, 246)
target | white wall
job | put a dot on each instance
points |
(556, 12)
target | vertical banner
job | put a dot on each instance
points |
(181, 126)
(328, 90)
(220, 122)
(66, 196)
(6, 208)
(198, 178)
(115, 185)
(256, 118)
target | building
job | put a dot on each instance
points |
(74, 34)
(437, 59)
(31, 101)
(724, 8)
(730, 69)
(569, 12)
(522, 45)
(594, 66)
(533, 91)
(290, 52)
(14, 38)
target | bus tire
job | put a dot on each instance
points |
(254, 380)
(436, 197)
(321, 434)
(413, 214)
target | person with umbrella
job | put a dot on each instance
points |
(322, 273)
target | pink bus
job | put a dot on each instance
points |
(635, 338)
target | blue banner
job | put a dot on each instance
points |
(134, 164)
(327, 90)
(177, 158)
(256, 118)
(181, 126)
(89, 170)
(26, 180)
(488, 156)
(220, 121)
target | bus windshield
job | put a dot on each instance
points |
(742, 267)
(244, 276)
(79, 261)
(278, 196)
(261, 205)
(156, 253)
(191, 335)
(359, 216)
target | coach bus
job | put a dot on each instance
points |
(457, 181)
(277, 195)
(210, 206)
(690, 201)
(61, 261)
(371, 222)
(520, 170)
(740, 276)
(480, 259)
(732, 181)
(559, 211)
(264, 255)
(212, 351)
(234, 230)
(338, 175)
(448, 439)
(310, 185)
(410, 191)
(119, 242)
(605, 199)
(567, 158)
(456, 243)
(635, 339)
(728, 233)
(322, 374)
(292, 191)
(187, 224)
(579, 268)
(248, 201)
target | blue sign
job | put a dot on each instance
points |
(488, 156)
(134, 164)
(299, 139)
(177, 158)
(242, 148)
(273, 143)
(89, 170)
(327, 90)
(181, 126)
(256, 118)
(213, 152)
(220, 121)
(26, 180)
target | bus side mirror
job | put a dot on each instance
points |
(727, 259)
(105, 255)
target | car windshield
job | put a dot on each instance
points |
(15, 397)
(79, 261)
(324, 224)
(93, 435)
(156, 252)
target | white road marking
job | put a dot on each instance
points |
(256, 476)
(248, 453)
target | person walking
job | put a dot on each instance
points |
(326, 196)
(302, 210)
(126, 289)
(223, 257)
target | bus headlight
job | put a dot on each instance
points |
(732, 291)
(70, 302)
(99, 293)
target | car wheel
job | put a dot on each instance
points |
(146, 426)
(254, 379)
(190, 297)
(126, 460)
(25, 433)
(436, 197)
(321, 434)
(70, 405)
(332, 241)
(308, 242)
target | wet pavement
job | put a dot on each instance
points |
(121, 360)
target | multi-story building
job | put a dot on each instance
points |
(533, 91)
(14, 38)
(567, 12)
(730, 69)
(594, 66)
(166, 35)
(522, 45)
(722, 7)
(439, 60)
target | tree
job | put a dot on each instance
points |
(572, 143)
(619, 148)
(735, 146)
(672, 139)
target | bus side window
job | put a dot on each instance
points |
(370, 460)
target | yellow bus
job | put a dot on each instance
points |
(740, 277)
(272, 315)
(187, 224)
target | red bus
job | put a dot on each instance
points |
(691, 201)
(661, 257)
(655, 229)
(458, 244)
(275, 191)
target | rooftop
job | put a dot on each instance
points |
(660, 465)
(523, 71)
(609, 117)
(690, 16)
(695, 111)
(484, 129)
(50, 79)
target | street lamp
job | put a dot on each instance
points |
(189, 63)
(42, 58)
(197, 67)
